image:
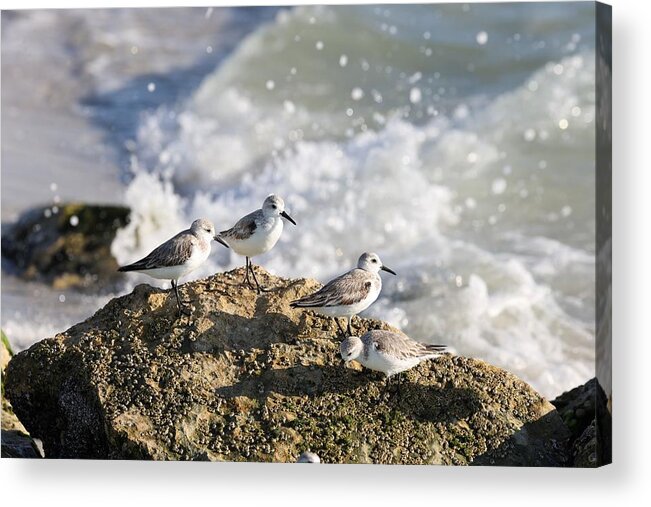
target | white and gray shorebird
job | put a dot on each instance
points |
(348, 294)
(308, 457)
(387, 352)
(257, 233)
(179, 255)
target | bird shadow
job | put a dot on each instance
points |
(416, 400)
(232, 332)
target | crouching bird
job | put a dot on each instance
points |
(388, 352)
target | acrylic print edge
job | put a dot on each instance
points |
(603, 238)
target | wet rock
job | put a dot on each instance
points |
(247, 378)
(585, 411)
(18, 444)
(585, 449)
(67, 245)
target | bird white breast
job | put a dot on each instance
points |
(200, 253)
(388, 365)
(263, 239)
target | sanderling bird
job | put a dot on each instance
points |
(309, 457)
(388, 352)
(179, 255)
(257, 233)
(348, 294)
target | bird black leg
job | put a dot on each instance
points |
(350, 328)
(341, 329)
(259, 287)
(182, 311)
(246, 275)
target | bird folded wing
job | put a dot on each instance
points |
(399, 346)
(244, 227)
(171, 253)
(347, 289)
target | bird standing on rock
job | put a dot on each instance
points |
(257, 233)
(348, 294)
(178, 256)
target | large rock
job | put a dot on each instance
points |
(249, 378)
(66, 245)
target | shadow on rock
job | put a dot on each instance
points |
(231, 332)
(517, 450)
(418, 401)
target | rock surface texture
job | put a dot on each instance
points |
(246, 377)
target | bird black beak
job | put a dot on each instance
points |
(284, 214)
(384, 268)
(219, 240)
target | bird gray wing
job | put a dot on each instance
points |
(346, 289)
(173, 252)
(398, 345)
(244, 227)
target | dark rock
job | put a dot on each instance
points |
(585, 449)
(247, 378)
(585, 412)
(67, 245)
(16, 444)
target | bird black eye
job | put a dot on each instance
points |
(374, 260)
(274, 206)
